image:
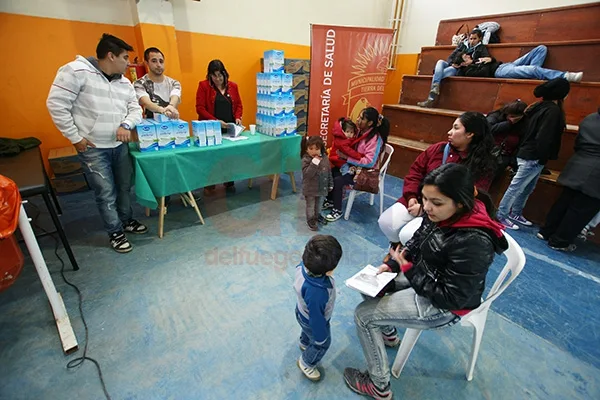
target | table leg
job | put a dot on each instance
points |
(161, 216)
(60, 231)
(193, 203)
(275, 186)
(250, 183)
(52, 192)
(65, 330)
(184, 199)
(293, 180)
(147, 212)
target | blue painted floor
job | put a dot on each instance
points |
(207, 312)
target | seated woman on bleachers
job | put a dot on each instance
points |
(444, 69)
(442, 273)
(469, 143)
(373, 130)
(528, 66)
(507, 127)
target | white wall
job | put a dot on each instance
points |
(116, 12)
(421, 17)
(285, 21)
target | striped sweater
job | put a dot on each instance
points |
(83, 103)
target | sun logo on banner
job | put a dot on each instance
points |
(369, 75)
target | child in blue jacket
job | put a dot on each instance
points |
(315, 289)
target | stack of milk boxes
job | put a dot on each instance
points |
(275, 100)
(162, 133)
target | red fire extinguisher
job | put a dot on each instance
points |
(135, 71)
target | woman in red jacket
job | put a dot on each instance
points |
(218, 98)
(469, 143)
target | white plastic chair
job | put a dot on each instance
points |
(476, 318)
(389, 150)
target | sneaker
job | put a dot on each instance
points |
(508, 224)
(321, 220)
(134, 226)
(119, 243)
(426, 104)
(334, 215)
(391, 340)
(312, 225)
(567, 249)
(574, 76)
(361, 383)
(326, 205)
(540, 236)
(311, 373)
(520, 220)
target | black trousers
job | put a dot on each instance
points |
(568, 216)
(337, 194)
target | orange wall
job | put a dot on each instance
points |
(39, 46)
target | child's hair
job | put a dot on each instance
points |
(455, 181)
(308, 141)
(322, 254)
(516, 108)
(346, 123)
(381, 125)
(477, 32)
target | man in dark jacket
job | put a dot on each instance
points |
(580, 199)
(444, 69)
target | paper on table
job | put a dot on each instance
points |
(368, 282)
(235, 139)
(234, 130)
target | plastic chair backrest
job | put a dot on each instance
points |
(515, 261)
(389, 150)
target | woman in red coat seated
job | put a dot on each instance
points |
(218, 98)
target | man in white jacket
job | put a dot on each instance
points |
(94, 106)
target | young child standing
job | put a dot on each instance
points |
(315, 289)
(317, 180)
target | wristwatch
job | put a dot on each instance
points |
(125, 125)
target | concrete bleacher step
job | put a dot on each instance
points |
(580, 55)
(577, 22)
(431, 125)
(487, 94)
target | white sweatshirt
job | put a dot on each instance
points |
(84, 104)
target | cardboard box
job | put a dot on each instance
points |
(296, 66)
(300, 81)
(64, 161)
(301, 130)
(67, 184)
(301, 110)
(301, 121)
(300, 96)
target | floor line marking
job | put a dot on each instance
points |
(567, 268)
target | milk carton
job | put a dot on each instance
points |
(199, 132)
(158, 117)
(280, 126)
(275, 61)
(274, 83)
(287, 81)
(210, 133)
(278, 101)
(291, 125)
(218, 133)
(289, 104)
(166, 138)
(181, 132)
(147, 140)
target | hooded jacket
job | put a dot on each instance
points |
(476, 52)
(543, 133)
(449, 261)
(316, 176)
(316, 298)
(83, 103)
(343, 144)
(482, 70)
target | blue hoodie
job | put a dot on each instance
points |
(316, 298)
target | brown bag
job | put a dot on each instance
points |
(367, 180)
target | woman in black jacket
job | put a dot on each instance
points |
(507, 126)
(442, 273)
(580, 198)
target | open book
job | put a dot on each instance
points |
(234, 130)
(368, 282)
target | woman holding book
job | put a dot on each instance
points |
(442, 272)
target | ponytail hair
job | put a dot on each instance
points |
(308, 141)
(380, 124)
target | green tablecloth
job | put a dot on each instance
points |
(162, 173)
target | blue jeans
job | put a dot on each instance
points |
(442, 70)
(529, 66)
(520, 188)
(403, 308)
(314, 352)
(108, 172)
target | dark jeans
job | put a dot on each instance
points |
(337, 194)
(109, 172)
(568, 216)
(314, 351)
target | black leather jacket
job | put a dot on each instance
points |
(450, 264)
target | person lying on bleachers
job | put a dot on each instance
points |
(528, 66)
(444, 69)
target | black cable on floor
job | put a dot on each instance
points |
(79, 360)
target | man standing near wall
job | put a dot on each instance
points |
(156, 92)
(94, 106)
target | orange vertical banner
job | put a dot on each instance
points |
(348, 73)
